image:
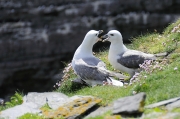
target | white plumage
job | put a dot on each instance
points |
(122, 58)
(89, 68)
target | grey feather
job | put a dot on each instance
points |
(90, 70)
(93, 61)
(132, 58)
(94, 70)
(78, 80)
(131, 61)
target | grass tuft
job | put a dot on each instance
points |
(174, 27)
(31, 116)
(16, 99)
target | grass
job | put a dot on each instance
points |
(160, 84)
(16, 99)
(31, 116)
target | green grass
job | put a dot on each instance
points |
(16, 99)
(169, 29)
(31, 116)
(159, 85)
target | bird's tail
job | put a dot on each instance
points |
(118, 75)
(161, 54)
(114, 82)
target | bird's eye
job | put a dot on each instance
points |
(96, 34)
(112, 34)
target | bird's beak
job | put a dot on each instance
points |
(100, 35)
(105, 38)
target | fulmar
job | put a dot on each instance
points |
(89, 68)
(122, 58)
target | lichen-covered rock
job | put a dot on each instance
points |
(75, 107)
(131, 105)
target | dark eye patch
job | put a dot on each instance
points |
(112, 34)
(96, 34)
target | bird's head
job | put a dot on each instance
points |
(112, 36)
(93, 36)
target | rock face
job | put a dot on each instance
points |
(37, 36)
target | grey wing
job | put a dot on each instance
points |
(92, 72)
(93, 61)
(101, 64)
(131, 61)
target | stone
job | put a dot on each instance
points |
(75, 107)
(164, 102)
(59, 105)
(99, 111)
(131, 105)
(54, 99)
(173, 105)
(19, 110)
(160, 115)
(32, 103)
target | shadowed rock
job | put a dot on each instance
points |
(131, 105)
(99, 111)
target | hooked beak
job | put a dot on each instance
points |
(100, 35)
(105, 38)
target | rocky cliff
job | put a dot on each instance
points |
(36, 37)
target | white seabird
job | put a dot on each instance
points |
(89, 68)
(122, 58)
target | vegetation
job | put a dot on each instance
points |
(31, 116)
(159, 79)
(159, 84)
(16, 99)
